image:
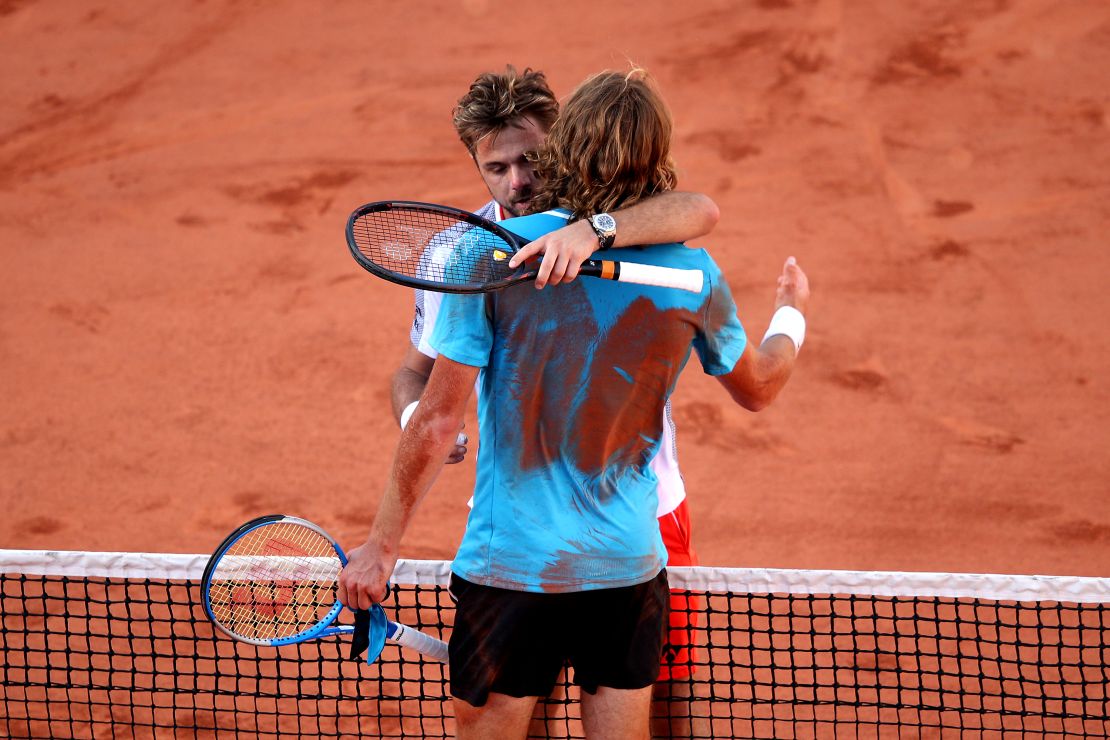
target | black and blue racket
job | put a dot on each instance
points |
(274, 581)
(448, 250)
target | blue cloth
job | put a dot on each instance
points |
(573, 386)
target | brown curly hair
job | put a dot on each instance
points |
(499, 99)
(610, 147)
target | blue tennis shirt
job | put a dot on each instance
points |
(573, 383)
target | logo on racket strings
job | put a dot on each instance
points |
(397, 251)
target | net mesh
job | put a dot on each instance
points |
(115, 645)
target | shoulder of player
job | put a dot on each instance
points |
(535, 225)
(489, 211)
(670, 254)
(700, 257)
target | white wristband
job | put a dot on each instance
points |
(789, 321)
(407, 413)
(462, 439)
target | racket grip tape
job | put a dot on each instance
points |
(416, 640)
(663, 277)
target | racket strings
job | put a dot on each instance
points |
(275, 582)
(432, 246)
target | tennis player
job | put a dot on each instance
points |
(502, 118)
(562, 558)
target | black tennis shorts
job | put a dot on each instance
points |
(516, 642)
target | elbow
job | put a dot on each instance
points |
(756, 404)
(749, 397)
(757, 392)
(759, 399)
(439, 429)
(710, 214)
(756, 380)
(773, 372)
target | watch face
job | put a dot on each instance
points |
(605, 222)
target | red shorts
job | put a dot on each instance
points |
(678, 655)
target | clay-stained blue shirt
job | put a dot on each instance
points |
(574, 381)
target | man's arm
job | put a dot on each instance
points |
(406, 388)
(761, 372)
(420, 455)
(409, 380)
(661, 219)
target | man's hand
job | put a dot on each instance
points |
(458, 452)
(362, 582)
(793, 287)
(563, 250)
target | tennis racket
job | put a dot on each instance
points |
(273, 582)
(449, 250)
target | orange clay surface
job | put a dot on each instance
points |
(185, 342)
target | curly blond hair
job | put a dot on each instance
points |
(610, 147)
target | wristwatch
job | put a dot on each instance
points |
(605, 226)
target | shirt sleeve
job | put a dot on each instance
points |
(463, 331)
(430, 303)
(721, 339)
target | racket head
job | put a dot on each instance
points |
(434, 247)
(273, 581)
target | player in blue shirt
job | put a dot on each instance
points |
(502, 117)
(564, 499)
(562, 557)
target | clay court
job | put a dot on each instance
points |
(185, 342)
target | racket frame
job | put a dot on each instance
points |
(513, 244)
(399, 634)
(633, 272)
(322, 628)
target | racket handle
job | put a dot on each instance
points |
(416, 640)
(663, 277)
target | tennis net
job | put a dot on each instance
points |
(117, 645)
